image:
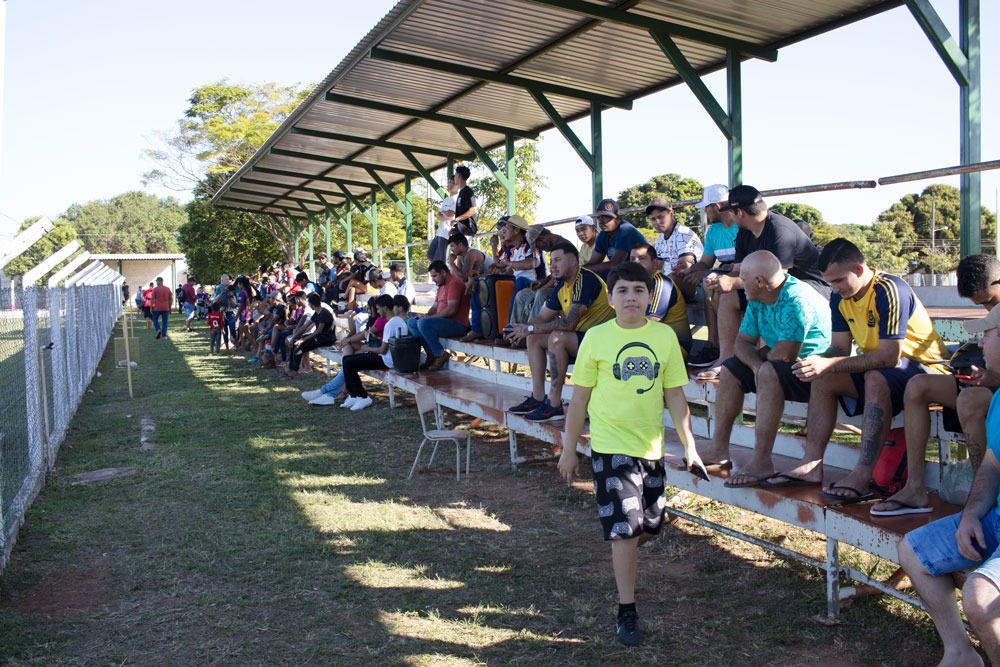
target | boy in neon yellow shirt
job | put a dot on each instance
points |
(630, 367)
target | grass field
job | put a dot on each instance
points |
(263, 531)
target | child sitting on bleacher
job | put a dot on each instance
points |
(626, 370)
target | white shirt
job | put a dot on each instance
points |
(395, 327)
(682, 241)
(388, 288)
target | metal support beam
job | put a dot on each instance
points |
(426, 175)
(364, 141)
(612, 14)
(352, 200)
(326, 232)
(332, 160)
(483, 156)
(311, 177)
(408, 221)
(953, 54)
(693, 81)
(564, 129)
(388, 191)
(378, 53)
(511, 171)
(734, 103)
(597, 142)
(373, 218)
(427, 115)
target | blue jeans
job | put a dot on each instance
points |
(229, 330)
(161, 316)
(336, 385)
(279, 343)
(476, 308)
(433, 329)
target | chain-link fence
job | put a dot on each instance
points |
(51, 340)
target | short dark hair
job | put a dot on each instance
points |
(439, 266)
(383, 301)
(840, 251)
(976, 273)
(631, 272)
(401, 301)
(650, 248)
(301, 277)
(314, 299)
(459, 238)
(463, 171)
(567, 248)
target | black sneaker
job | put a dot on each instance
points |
(525, 406)
(707, 356)
(546, 412)
(627, 629)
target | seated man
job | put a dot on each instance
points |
(321, 336)
(586, 231)
(529, 302)
(897, 339)
(978, 281)
(615, 241)
(678, 246)
(467, 264)
(356, 280)
(931, 554)
(397, 271)
(666, 303)
(447, 318)
(579, 301)
(720, 247)
(785, 320)
(759, 229)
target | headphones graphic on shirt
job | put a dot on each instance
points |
(637, 366)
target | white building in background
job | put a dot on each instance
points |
(142, 269)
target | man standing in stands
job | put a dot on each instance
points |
(785, 320)
(578, 302)
(880, 313)
(465, 220)
(759, 229)
(615, 241)
(161, 299)
(931, 554)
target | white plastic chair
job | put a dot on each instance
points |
(427, 402)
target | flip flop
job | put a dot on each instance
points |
(846, 500)
(718, 466)
(789, 481)
(709, 375)
(755, 480)
(901, 509)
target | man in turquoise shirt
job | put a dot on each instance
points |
(792, 320)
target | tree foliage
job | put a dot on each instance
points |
(672, 187)
(219, 240)
(822, 231)
(61, 234)
(491, 197)
(222, 128)
(132, 222)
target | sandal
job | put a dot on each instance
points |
(709, 374)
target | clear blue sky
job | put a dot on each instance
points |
(87, 84)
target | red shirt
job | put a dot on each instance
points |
(453, 290)
(147, 295)
(162, 297)
(214, 320)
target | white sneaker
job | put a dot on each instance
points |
(311, 395)
(361, 403)
(349, 403)
(323, 399)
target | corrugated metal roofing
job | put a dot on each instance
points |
(326, 145)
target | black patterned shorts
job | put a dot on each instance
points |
(629, 492)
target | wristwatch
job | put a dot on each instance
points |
(531, 328)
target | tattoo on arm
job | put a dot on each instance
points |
(576, 311)
(860, 364)
(871, 442)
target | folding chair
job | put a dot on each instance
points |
(427, 402)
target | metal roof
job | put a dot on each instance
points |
(393, 103)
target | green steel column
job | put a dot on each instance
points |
(597, 150)
(374, 220)
(451, 168)
(350, 229)
(312, 248)
(734, 93)
(326, 232)
(408, 221)
(971, 129)
(511, 185)
(297, 248)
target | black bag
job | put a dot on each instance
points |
(967, 356)
(405, 351)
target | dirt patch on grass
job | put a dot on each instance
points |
(60, 591)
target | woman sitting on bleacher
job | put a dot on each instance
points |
(370, 332)
(376, 357)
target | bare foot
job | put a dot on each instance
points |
(965, 658)
(808, 471)
(906, 496)
(851, 486)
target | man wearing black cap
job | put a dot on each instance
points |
(759, 229)
(615, 241)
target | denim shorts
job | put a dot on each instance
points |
(936, 548)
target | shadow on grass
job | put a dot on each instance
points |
(265, 531)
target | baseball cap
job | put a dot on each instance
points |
(339, 255)
(740, 196)
(991, 321)
(533, 233)
(585, 220)
(359, 253)
(607, 207)
(713, 194)
(517, 221)
(375, 274)
(659, 202)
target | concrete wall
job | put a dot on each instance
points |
(140, 272)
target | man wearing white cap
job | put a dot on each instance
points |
(586, 231)
(720, 246)
(931, 553)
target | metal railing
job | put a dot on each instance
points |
(51, 340)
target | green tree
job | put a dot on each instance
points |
(218, 240)
(62, 233)
(672, 187)
(884, 245)
(132, 222)
(822, 231)
(222, 128)
(491, 197)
